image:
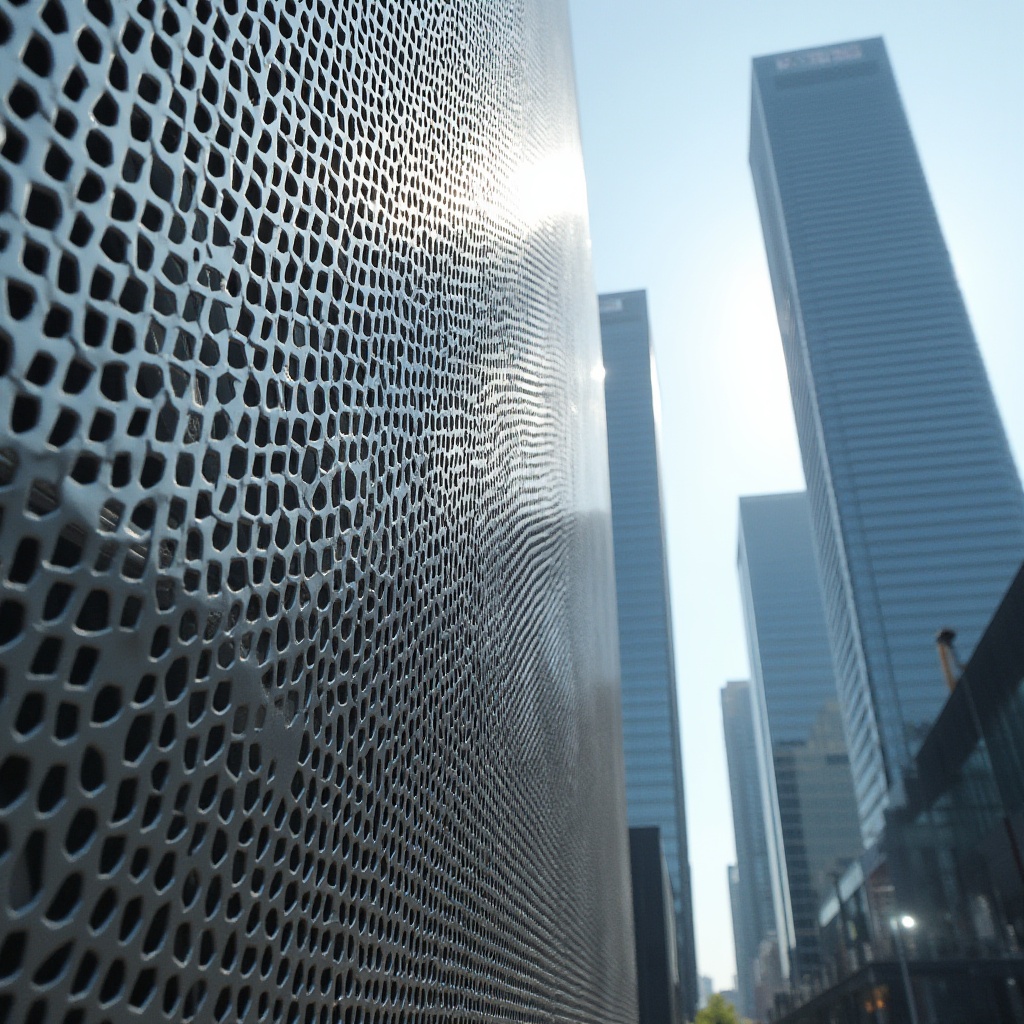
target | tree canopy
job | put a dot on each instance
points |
(718, 1011)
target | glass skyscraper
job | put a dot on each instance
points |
(917, 507)
(750, 888)
(650, 714)
(809, 811)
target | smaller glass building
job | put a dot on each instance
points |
(957, 849)
(750, 886)
(807, 802)
(951, 859)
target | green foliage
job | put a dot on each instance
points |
(718, 1011)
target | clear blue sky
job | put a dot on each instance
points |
(664, 93)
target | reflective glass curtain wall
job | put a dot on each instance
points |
(917, 507)
(650, 715)
(749, 879)
(808, 806)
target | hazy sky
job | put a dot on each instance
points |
(664, 104)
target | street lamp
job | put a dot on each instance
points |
(901, 923)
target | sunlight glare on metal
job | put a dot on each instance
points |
(549, 188)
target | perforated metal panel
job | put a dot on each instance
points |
(307, 645)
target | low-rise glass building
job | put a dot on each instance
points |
(949, 863)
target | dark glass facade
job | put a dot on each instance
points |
(654, 924)
(917, 507)
(808, 807)
(650, 714)
(309, 704)
(957, 848)
(950, 857)
(750, 878)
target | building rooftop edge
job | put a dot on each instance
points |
(872, 41)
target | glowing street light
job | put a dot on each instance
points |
(901, 923)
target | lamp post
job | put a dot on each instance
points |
(899, 923)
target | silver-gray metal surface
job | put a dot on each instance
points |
(308, 666)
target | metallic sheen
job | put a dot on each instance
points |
(308, 674)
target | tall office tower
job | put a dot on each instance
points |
(308, 667)
(917, 507)
(808, 806)
(751, 890)
(650, 715)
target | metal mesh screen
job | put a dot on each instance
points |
(308, 694)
